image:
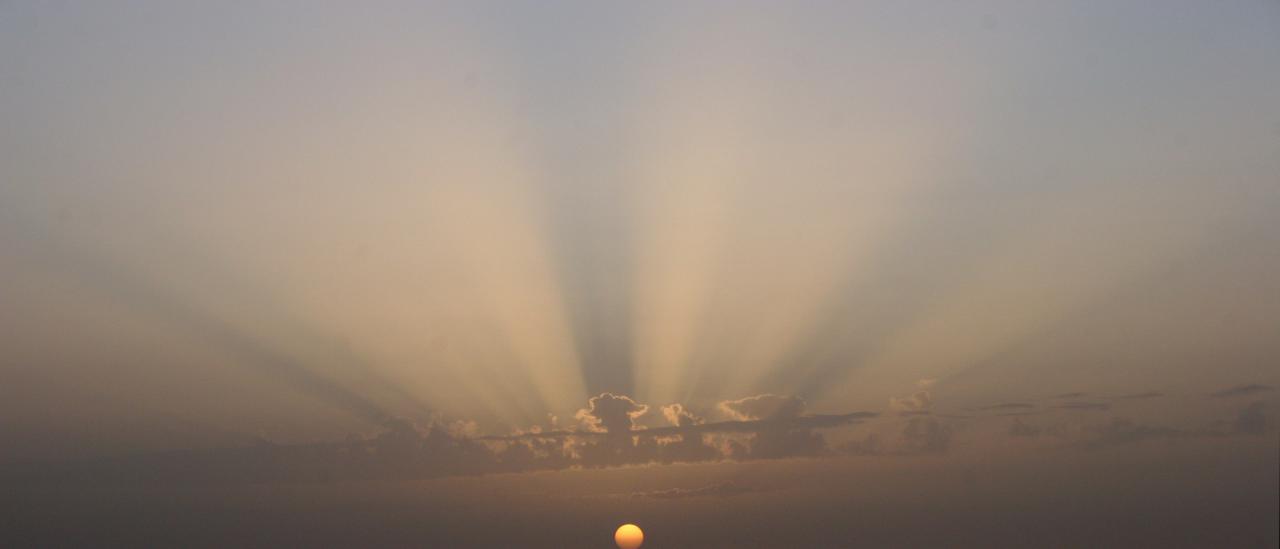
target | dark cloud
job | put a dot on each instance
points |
(1243, 390)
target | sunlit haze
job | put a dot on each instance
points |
(815, 274)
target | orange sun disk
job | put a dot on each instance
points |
(628, 536)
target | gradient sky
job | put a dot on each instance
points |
(223, 222)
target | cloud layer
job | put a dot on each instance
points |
(615, 430)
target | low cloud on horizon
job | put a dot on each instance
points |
(765, 426)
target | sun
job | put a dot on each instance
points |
(628, 536)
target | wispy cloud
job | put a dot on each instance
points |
(1243, 390)
(722, 489)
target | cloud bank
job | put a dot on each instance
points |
(608, 434)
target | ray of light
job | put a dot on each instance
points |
(1073, 255)
(746, 237)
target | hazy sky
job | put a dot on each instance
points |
(251, 215)
(293, 221)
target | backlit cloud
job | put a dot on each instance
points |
(766, 406)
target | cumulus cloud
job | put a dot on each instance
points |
(766, 406)
(611, 413)
(765, 427)
(679, 416)
(1243, 390)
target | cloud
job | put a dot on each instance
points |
(1084, 406)
(779, 430)
(921, 434)
(813, 421)
(1071, 395)
(1243, 390)
(1141, 396)
(778, 437)
(1117, 431)
(1019, 429)
(771, 427)
(722, 489)
(768, 427)
(925, 435)
(611, 413)
(787, 441)
(679, 416)
(689, 448)
(1007, 406)
(919, 402)
(766, 406)
(869, 445)
(1124, 431)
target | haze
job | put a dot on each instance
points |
(840, 260)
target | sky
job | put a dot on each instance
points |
(675, 261)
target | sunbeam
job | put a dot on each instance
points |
(664, 274)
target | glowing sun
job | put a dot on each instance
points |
(628, 536)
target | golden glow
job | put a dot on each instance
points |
(628, 536)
